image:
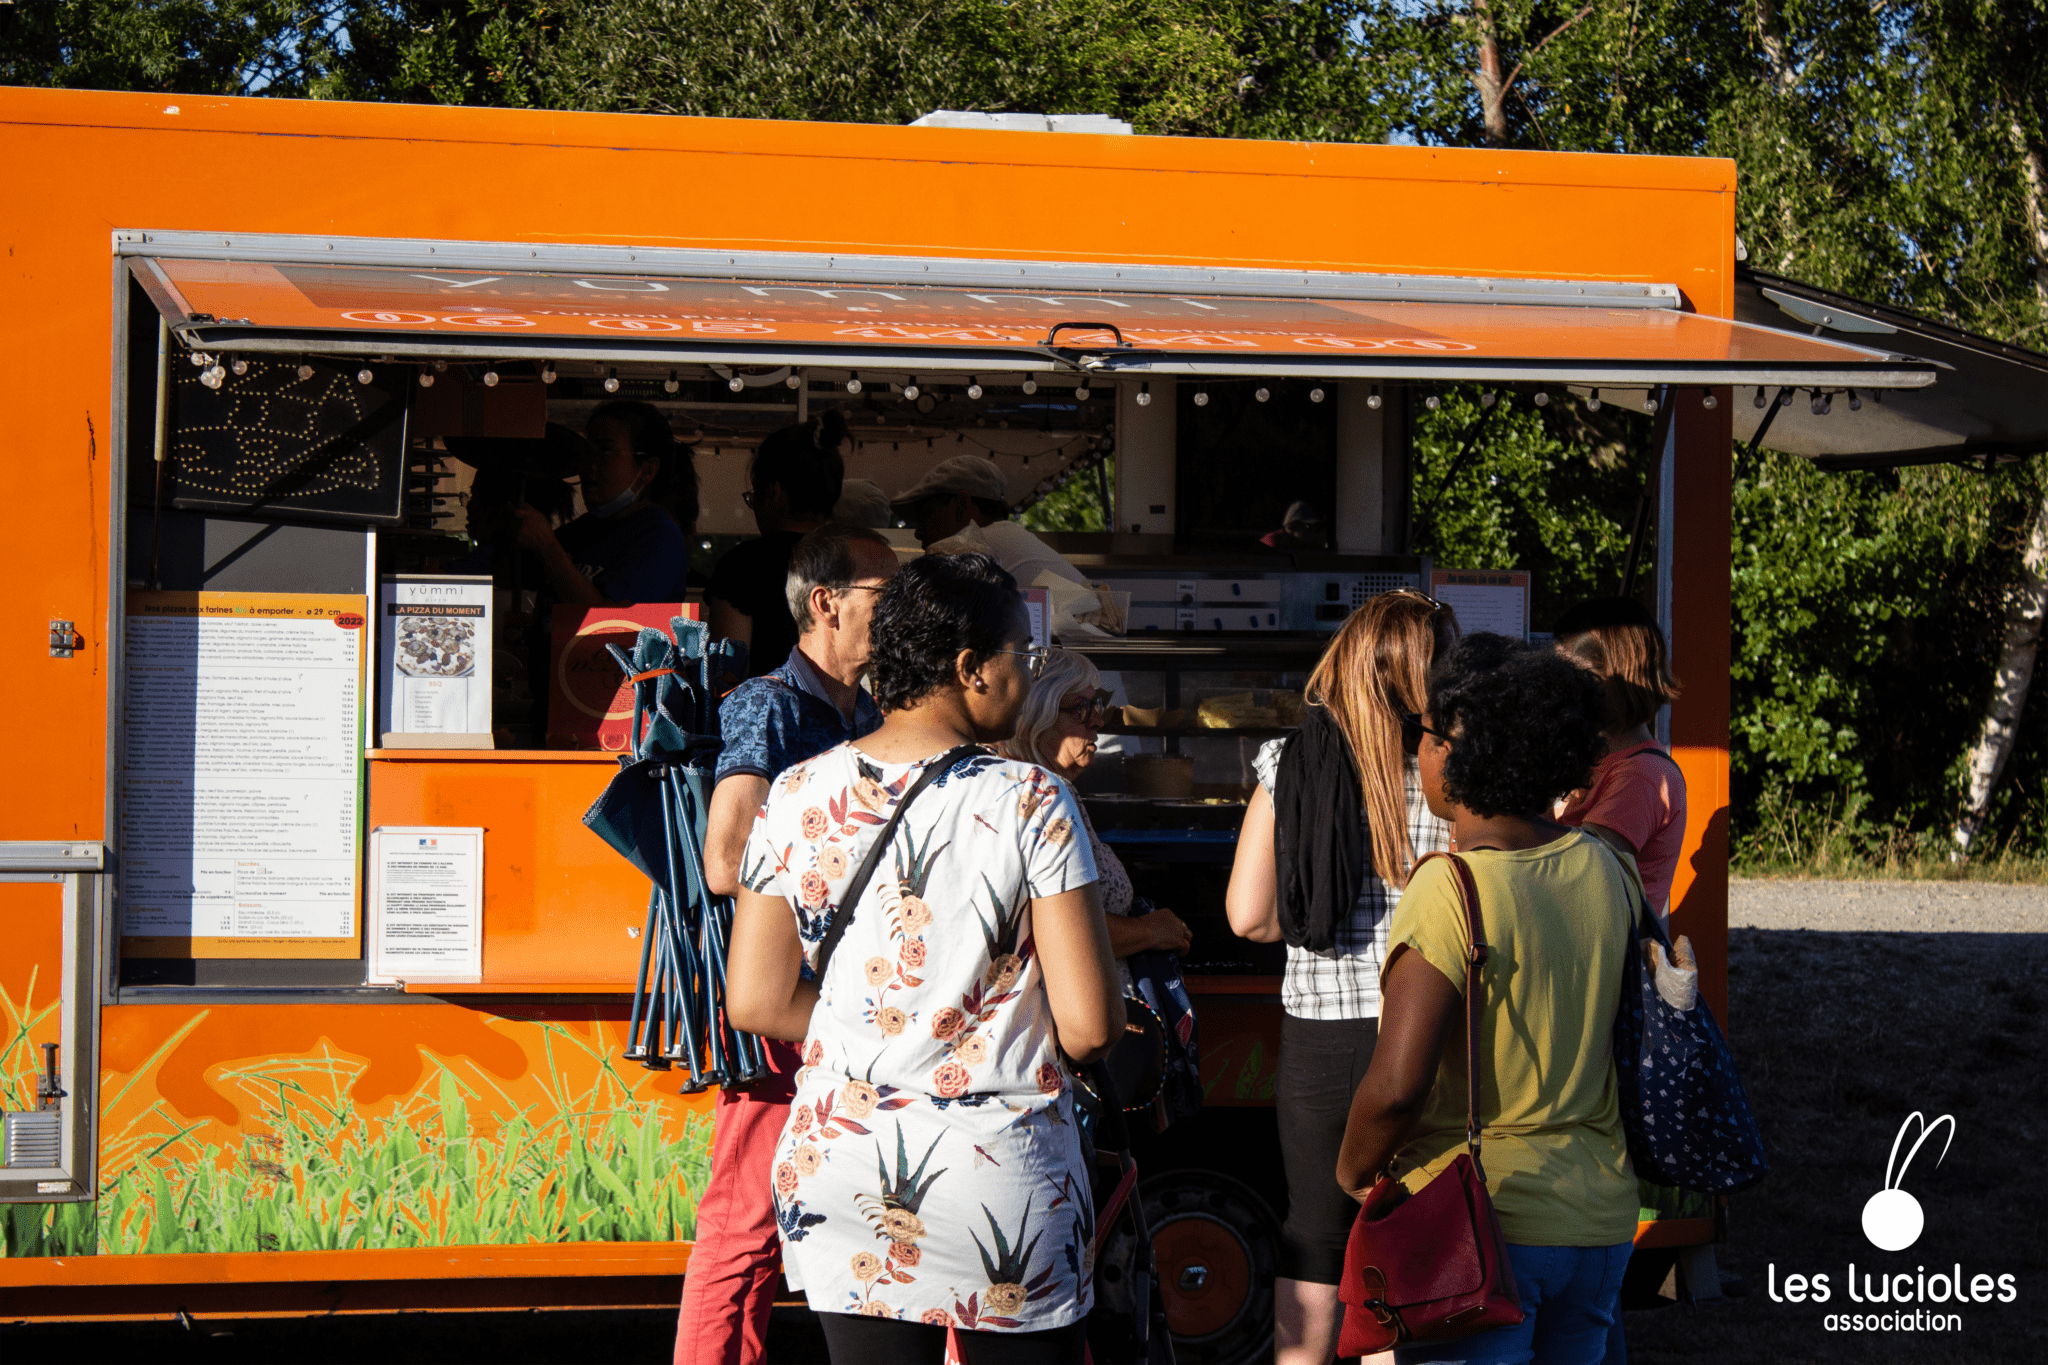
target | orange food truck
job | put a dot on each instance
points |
(268, 328)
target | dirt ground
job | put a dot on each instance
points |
(1852, 1004)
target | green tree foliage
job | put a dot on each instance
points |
(1892, 149)
(1508, 484)
(194, 47)
(1868, 609)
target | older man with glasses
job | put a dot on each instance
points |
(811, 703)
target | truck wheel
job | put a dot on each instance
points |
(1216, 1244)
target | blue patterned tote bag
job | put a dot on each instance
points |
(1687, 1117)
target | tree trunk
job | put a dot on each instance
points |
(1493, 93)
(2023, 616)
(2036, 207)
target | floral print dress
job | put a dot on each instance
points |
(930, 1169)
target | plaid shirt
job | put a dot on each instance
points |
(1345, 982)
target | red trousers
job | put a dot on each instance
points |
(729, 1287)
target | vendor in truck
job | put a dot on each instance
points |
(632, 543)
(962, 505)
(965, 499)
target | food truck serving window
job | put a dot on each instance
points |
(283, 789)
(780, 310)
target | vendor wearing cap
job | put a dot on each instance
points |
(962, 505)
(968, 491)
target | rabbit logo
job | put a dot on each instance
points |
(1892, 1219)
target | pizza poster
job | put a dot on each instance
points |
(434, 655)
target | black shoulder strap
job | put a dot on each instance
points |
(842, 915)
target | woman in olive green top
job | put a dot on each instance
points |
(1509, 729)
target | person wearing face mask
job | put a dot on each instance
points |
(640, 498)
(794, 481)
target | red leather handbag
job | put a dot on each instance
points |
(1433, 1265)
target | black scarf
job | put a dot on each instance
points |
(1319, 842)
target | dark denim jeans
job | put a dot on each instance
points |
(1570, 1298)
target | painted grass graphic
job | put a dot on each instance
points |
(457, 1161)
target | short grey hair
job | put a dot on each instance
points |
(823, 559)
(1065, 671)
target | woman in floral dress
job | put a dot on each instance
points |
(931, 1175)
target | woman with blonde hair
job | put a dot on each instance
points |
(1335, 826)
(1056, 730)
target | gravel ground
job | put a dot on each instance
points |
(1861, 907)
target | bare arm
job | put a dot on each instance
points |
(1080, 975)
(533, 532)
(1136, 933)
(1418, 1005)
(734, 803)
(1253, 898)
(765, 993)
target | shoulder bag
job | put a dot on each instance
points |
(842, 914)
(1432, 1265)
(1683, 1107)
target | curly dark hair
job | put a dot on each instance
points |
(1527, 724)
(932, 609)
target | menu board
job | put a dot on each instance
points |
(434, 661)
(1495, 600)
(240, 788)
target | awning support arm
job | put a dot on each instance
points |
(1639, 530)
(1783, 400)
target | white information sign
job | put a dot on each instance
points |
(1495, 600)
(426, 904)
(434, 659)
(240, 775)
(1038, 610)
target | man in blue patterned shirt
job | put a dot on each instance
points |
(808, 705)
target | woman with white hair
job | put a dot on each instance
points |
(1056, 730)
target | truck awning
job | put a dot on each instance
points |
(476, 301)
(1991, 403)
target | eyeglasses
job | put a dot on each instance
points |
(1088, 711)
(1412, 731)
(1038, 654)
(858, 587)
